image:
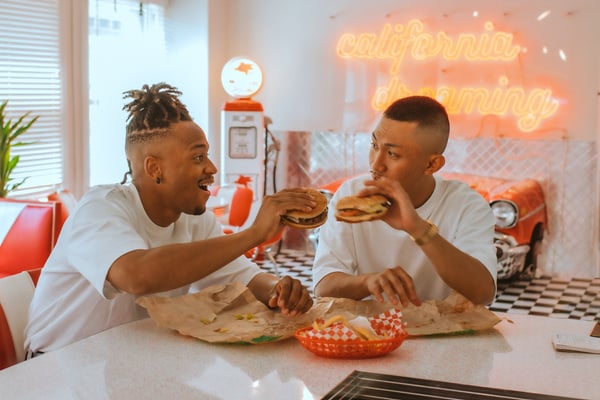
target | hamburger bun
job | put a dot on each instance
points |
(310, 219)
(360, 209)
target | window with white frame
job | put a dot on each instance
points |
(49, 69)
(31, 81)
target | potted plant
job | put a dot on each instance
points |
(9, 135)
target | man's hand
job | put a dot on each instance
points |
(290, 296)
(395, 283)
(402, 214)
(268, 219)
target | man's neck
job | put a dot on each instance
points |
(425, 191)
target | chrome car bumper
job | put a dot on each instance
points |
(511, 256)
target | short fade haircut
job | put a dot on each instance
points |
(151, 112)
(427, 112)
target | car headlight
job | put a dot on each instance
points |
(506, 213)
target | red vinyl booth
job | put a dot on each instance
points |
(32, 236)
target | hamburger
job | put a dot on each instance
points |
(360, 209)
(311, 219)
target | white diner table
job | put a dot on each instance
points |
(139, 360)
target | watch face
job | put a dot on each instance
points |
(242, 142)
(241, 77)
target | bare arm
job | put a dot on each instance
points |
(171, 266)
(341, 284)
(472, 279)
(168, 267)
(394, 283)
(460, 271)
(286, 293)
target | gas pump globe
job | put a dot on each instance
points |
(242, 124)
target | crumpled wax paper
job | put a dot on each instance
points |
(454, 314)
(226, 314)
(231, 314)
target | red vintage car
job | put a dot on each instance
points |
(521, 219)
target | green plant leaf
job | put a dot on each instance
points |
(9, 132)
(22, 144)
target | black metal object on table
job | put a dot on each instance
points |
(361, 385)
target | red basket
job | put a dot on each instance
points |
(340, 348)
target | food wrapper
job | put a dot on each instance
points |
(453, 315)
(226, 314)
(231, 314)
(387, 325)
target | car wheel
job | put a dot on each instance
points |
(531, 260)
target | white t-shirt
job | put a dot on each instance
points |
(73, 299)
(463, 217)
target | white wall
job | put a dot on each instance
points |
(198, 41)
(187, 35)
(308, 87)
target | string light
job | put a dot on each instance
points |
(543, 15)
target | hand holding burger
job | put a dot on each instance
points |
(308, 219)
(355, 209)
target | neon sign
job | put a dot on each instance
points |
(396, 42)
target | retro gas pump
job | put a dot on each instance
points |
(242, 125)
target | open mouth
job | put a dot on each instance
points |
(205, 186)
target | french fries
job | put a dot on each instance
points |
(329, 322)
(359, 325)
(365, 333)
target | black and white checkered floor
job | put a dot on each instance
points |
(575, 298)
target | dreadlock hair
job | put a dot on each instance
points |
(152, 110)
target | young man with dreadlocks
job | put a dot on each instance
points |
(153, 235)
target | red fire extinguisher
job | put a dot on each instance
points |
(241, 202)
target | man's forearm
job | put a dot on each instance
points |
(341, 284)
(460, 271)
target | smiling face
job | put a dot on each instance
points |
(167, 154)
(173, 172)
(187, 171)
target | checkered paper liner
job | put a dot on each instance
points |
(339, 341)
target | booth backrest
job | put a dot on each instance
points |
(31, 237)
(65, 204)
(16, 292)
